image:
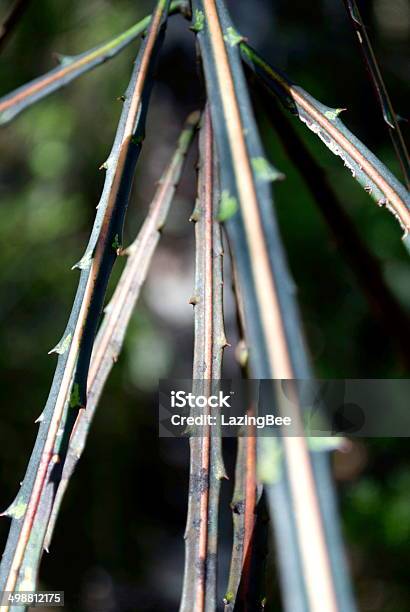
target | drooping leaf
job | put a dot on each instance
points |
(199, 591)
(271, 321)
(112, 331)
(70, 68)
(68, 393)
(324, 121)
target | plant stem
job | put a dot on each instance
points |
(206, 464)
(111, 334)
(389, 115)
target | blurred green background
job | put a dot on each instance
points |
(118, 543)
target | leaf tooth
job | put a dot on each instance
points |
(108, 308)
(62, 346)
(196, 213)
(64, 60)
(220, 471)
(7, 115)
(333, 113)
(85, 261)
(16, 509)
(223, 341)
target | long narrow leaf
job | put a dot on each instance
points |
(217, 467)
(273, 332)
(206, 465)
(324, 121)
(70, 68)
(240, 591)
(31, 509)
(110, 337)
(389, 115)
(364, 266)
(241, 594)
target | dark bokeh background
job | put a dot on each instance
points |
(118, 543)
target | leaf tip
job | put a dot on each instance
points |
(84, 263)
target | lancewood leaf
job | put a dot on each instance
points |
(70, 68)
(238, 519)
(389, 115)
(68, 392)
(219, 342)
(365, 267)
(246, 572)
(110, 337)
(316, 580)
(365, 167)
(206, 463)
